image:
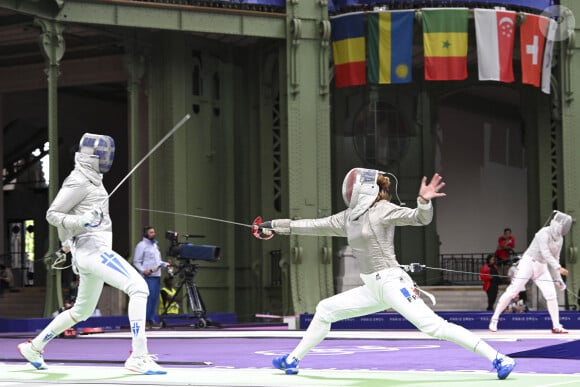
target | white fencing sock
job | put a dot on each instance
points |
(58, 325)
(554, 312)
(316, 332)
(484, 349)
(137, 310)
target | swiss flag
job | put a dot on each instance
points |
(532, 39)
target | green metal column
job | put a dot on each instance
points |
(192, 172)
(135, 64)
(540, 160)
(2, 219)
(52, 47)
(309, 169)
(425, 115)
(569, 52)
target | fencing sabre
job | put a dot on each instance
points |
(194, 216)
(169, 134)
(253, 226)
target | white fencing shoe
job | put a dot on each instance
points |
(33, 356)
(144, 364)
(559, 330)
(493, 325)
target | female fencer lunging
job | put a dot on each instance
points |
(369, 225)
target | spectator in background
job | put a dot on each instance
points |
(67, 304)
(517, 305)
(168, 300)
(147, 260)
(6, 279)
(490, 277)
(506, 244)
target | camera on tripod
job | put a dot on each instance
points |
(188, 251)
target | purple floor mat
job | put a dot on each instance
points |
(344, 354)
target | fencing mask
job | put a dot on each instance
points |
(359, 190)
(100, 146)
(564, 220)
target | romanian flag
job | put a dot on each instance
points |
(390, 47)
(348, 48)
(445, 43)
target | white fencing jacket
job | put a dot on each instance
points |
(81, 192)
(371, 236)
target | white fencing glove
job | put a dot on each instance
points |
(92, 218)
(281, 226)
(560, 284)
(413, 267)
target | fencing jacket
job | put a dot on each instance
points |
(81, 191)
(371, 236)
(546, 245)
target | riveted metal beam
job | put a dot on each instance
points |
(174, 17)
(166, 16)
(40, 8)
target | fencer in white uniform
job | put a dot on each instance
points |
(369, 225)
(540, 263)
(80, 211)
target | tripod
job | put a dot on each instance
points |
(187, 272)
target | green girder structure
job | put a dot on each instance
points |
(569, 144)
(259, 140)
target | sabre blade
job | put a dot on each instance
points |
(194, 216)
(169, 134)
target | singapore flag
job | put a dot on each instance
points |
(495, 31)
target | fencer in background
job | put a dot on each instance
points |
(369, 224)
(80, 211)
(540, 263)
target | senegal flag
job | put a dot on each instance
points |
(445, 43)
(390, 46)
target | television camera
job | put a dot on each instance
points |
(187, 253)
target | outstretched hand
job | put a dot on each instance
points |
(431, 190)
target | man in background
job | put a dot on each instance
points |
(147, 260)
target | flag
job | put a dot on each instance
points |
(532, 33)
(495, 32)
(390, 47)
(548, 54)
(349, 51)
(445, 43)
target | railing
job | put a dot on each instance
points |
(275, 6)
(463, 268)
(361, 5)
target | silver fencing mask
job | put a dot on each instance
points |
(359, 190)
(100, 146)
(564, 220)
